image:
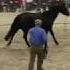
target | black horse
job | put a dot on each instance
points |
(25, 21)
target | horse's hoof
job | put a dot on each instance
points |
(57, 43)
(6, 39)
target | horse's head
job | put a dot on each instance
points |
(57, 8)
(60, 6)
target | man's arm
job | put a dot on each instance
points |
(45, 47)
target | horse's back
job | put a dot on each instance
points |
(25, 20)
(27, 17)
(28, 14)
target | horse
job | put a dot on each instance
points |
(25, 21)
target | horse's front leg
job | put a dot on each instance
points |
(25, 38)
(10, 41)
(52, 33)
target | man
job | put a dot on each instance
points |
(37, 38)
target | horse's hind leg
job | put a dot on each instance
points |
(25, 38)
(11, 33)
(52, 33)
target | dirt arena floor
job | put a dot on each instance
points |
(16, 56)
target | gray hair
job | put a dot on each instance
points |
(38, 22)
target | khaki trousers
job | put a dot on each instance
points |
(40, 57)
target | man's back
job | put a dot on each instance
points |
(38, 36)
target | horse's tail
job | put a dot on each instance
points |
(14, 28)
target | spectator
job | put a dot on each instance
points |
(37, 38)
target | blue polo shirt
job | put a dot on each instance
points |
(38, 36)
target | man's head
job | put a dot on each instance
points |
(38, 22)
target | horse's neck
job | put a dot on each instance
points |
(52, 14)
